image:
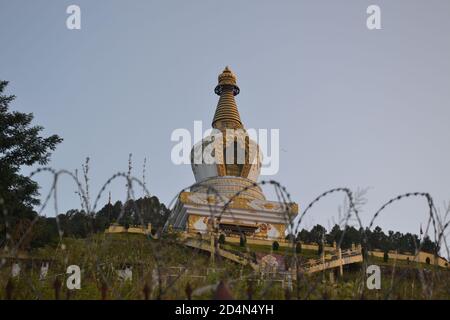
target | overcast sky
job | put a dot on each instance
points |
(355, 107)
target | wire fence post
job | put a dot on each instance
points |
(188, 291)
(57, 288)
(104, 291)
(9, 289)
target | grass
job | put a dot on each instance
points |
(99, 256)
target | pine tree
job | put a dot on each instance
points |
(21, 145)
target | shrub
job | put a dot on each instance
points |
(364, 253)
(275, 246)
(242, 241)
(222, 238)
(298, 247)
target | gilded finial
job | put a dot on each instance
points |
(227, 114)
(227, 79)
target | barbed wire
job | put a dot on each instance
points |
(157, 262)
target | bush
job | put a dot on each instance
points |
(364, 253)
(298, 247)
(275, 246)
(222, 238)
(242, 241)
(320, 250)
(385, 256)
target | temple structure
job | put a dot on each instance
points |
(226, 166)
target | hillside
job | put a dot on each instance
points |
(166, 269)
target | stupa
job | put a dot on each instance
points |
(226, 166)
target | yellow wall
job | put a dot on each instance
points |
(421, 257)
(196, 223)
(133, 229)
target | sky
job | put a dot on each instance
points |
(356, 108)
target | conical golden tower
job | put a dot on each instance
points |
(227, 114)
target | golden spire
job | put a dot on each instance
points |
(227, 114)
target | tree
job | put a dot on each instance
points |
(304, 236)
(45, 232)
(76, 223)
(334, 235)
(351, 236)
(368, 239)
(139, 212)
(317, 233)
(429, 246)
(377, 238)
(21, 145)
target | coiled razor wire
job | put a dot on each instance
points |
(313, 285)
